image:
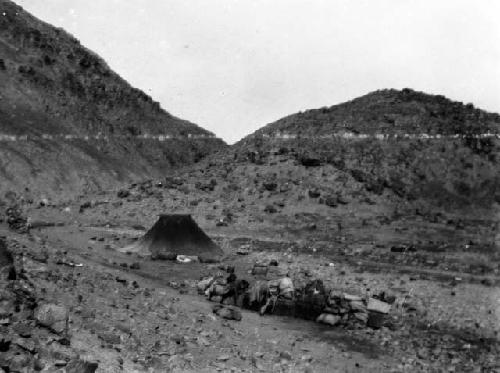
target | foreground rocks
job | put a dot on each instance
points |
(120, 321)
(25, 347)
(53, 317)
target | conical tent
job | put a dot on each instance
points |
(176, 234)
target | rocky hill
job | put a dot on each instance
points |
(408, 143)
(390, 111)
(68, 122)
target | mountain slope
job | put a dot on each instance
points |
(391, 111)
(68, 122)
(410, 143)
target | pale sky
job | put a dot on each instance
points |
(234, 66)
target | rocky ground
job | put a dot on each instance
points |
(129, 320)
(127, 313)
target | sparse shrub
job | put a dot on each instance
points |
(133, 130)
(270, 186)
(85, 63)
(283, 150)
(331, 201)
(309, 160)
(314, 193)
(26, 70)
(463, 188)
(270, 209)
(359, 175)
(48, 60)
(375, 186)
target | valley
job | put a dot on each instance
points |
(358, 237)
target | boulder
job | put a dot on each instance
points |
(109, 337)
(53, 317)
(19, 363)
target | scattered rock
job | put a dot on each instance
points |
(123, 193)
(227, 312)
(270, 209)
(81, 366)
(23, 330)
(109, 337)
(488, 281)
(19, 363)
(331, 201)
(342, 200)
(286, 355)
(53, 317)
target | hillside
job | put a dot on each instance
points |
(390, 111)
(410, 143)
(67, 122)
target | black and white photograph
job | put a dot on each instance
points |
(285, 186)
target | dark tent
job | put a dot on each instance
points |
(178, 234)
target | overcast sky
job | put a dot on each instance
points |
(234, 66)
